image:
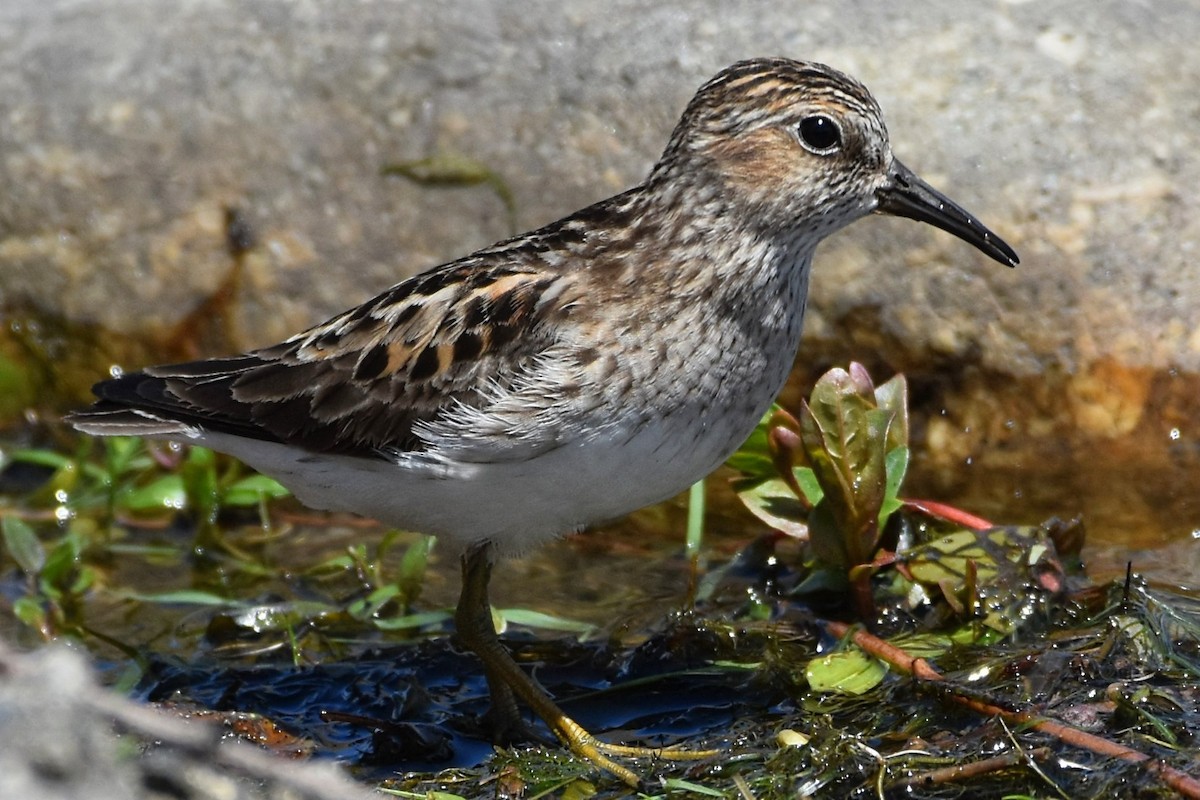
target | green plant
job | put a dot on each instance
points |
(57, 578)
(64, 532)
(832, 479)
(129, 479)
(834, 474)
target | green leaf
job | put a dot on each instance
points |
(411, 578)
(423, 619)
(871, 478)
(167, 553)
(251, 490)
(61, 560)
(808, 484)
(826, 538)
(85, 578)
(182, 597)
(944, 560)
(42, 458)
(753, 458)
(924, 645)
(849, 671)
(536, 619)
(695, 519)
(199, 472)
(831, 426)
(893, 396)
(30, 612)
(23, 545)
(124, 454)
(679, 784)
(822, 579)
(339, 563)
(895, 465)
(418, 795)
(369, 606)
(843, 436)
(774, 503)
(163, 492)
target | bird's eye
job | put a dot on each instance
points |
(820, 134)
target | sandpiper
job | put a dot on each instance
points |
(571, 374)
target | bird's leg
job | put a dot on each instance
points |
(477, 630)
(507, 681)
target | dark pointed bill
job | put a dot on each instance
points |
(906, 195)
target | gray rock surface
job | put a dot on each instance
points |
(59, 734)
(127, 128)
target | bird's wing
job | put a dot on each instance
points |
(360, 382)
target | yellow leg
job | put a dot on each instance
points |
(507, 681)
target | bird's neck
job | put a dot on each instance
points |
(723, 246)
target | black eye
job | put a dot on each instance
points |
(820, 134)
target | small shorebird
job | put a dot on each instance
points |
(571, 374)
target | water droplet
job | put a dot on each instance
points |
(979, 674)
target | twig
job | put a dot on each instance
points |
(742, 786)
(920, 669)
(974, 769)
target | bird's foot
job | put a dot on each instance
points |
(585, 745)
(508, 683)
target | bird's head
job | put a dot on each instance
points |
(800, 147)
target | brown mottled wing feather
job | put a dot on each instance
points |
(360, 382)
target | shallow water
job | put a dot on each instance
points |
(1140, 511)
(388, 702)
(630, 573)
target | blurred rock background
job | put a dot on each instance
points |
(208, 175)
(60, 733)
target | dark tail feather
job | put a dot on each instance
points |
(105, 419)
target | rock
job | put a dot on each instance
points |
(59, 731)
(132, 137)
(128, 132)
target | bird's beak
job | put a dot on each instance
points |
(906, 195)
